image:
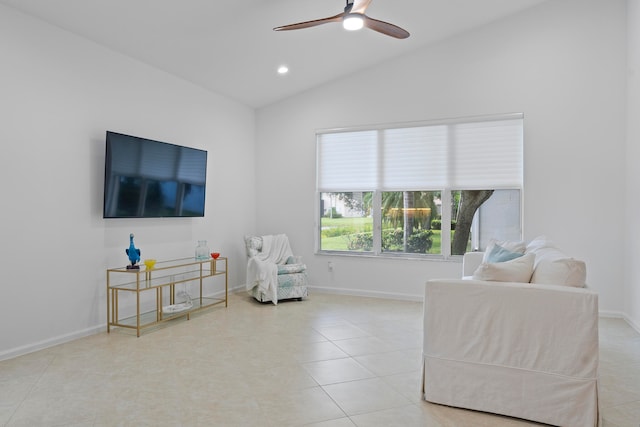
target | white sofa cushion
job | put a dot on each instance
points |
(554, 267)
(563, 271)
(517, 270)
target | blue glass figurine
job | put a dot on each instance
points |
(134, 254)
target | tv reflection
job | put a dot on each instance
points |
(146, 197)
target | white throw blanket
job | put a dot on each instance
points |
(262, 269)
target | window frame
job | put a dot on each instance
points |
(446, 191)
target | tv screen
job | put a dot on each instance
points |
(152, 179)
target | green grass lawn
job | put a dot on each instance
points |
(357, 225)
(343, 222)
(331, 242)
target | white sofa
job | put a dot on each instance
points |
(526, 350)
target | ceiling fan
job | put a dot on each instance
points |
(353, 18)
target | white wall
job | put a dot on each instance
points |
(561, 63)
(632, 225)
(58, 95)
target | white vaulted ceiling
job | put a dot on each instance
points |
(229, 47)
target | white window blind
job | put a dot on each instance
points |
(414, 159)
(348, 161)
(487, 155)
(471, 154)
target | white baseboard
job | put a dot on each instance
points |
(51, 342)
(364, 293)
(238, 289)
(611, 314)
(619, 315)
(351, 292)
(631, 323)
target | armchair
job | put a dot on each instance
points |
(273, 272)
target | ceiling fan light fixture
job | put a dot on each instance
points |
(353, 18)
(353, 22)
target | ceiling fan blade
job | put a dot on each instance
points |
(360, 6)
(385, 28)
(307, 24)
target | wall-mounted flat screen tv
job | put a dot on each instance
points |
(152, 179)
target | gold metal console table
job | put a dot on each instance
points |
(150, 287)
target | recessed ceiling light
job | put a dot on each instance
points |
(283, 69)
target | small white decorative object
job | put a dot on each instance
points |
(186, 304)
(176, 308)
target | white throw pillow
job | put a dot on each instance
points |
(253, 245)
(518, 247)
(564, 271)
(516, 270)
(500, 254)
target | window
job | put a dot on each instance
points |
(346, 221)
(382, 191)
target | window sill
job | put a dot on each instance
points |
(404, 257)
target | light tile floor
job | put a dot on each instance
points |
(328, 361)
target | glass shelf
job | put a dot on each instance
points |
(151, 318)
(168, 264)
(165, 274)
